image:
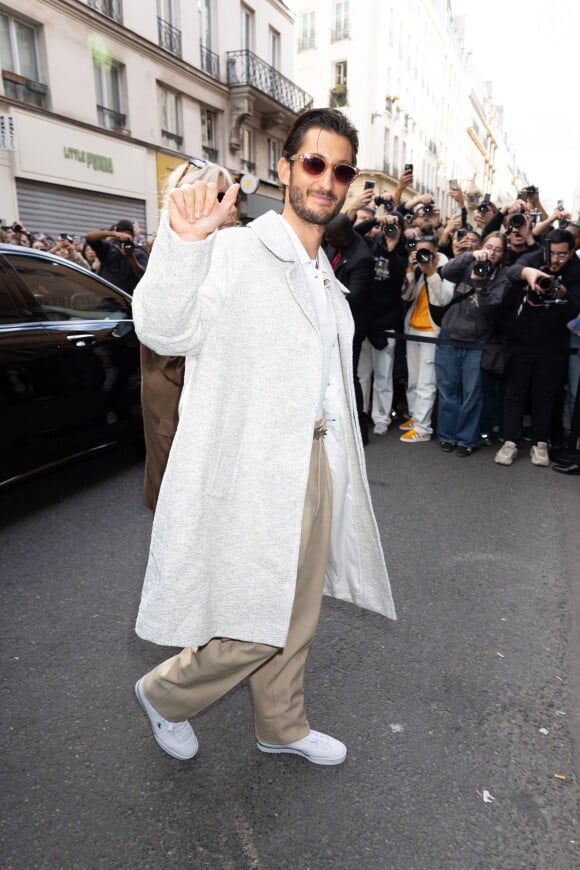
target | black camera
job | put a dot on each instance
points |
(411, 244)
(388, 203)
(482, 268)
(128, 246)
(65, 238)
(516, 221)
(428, 209)
(549, 285)
(531, 190)
(484, 204)
(424, 256)
(390, 229)
(461, 233)
(17, 228)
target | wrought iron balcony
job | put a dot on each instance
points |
(18, 87)
(172, 139)
(110, 119)
(111, 8)
(210, 154)
(246, 68)
(169, 37)
(210, 62)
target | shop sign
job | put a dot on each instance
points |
(97, 161)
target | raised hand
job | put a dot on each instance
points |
(194, 210)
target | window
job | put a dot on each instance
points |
(206, 23)
(170, 118)
(338, 92)
(208, 135)
(110, 8)
(274, 151)
(307, 31)
(210, 62)
(63, 293)
(167, 25)
(341, 28)
(247, 160)
(19, 62)
(247, 29)
(109, 103)
(274, 43)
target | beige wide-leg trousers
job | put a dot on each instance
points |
(182, 686)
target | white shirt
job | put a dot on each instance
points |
(319, 283)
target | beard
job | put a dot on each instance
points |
(297, 199)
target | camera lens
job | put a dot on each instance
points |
(517, 220)
(483, 269)
(390, 230)
(544, 282)
(424, 256)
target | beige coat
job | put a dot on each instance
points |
(226, 533)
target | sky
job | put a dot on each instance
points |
(529, 51)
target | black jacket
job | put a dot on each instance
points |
(355, 270)
(530, 321)
(472, 319)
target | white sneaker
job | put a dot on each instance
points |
(315, 747)
(176, 738)
(506, 453)
(539, 454)
(380, 428)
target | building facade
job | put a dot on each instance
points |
(401, 73)
(99, 100)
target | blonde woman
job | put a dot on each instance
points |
(162, 376)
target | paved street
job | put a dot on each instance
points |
(462, 719)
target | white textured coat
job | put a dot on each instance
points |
(226, 534)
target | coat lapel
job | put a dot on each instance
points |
(273, 235)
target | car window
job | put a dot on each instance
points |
(63, 293)
(9, 312)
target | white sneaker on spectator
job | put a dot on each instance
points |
(380, 428)
(176, 738)
(506, 453)
(315, 747)
(539, 454)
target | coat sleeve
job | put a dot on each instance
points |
(178, 298)
(440, 289)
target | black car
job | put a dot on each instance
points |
(69, 364)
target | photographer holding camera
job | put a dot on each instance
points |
(65, 248)
(481, 284)
(545, 296)
(122, 263)
(424, 285)
(384, 311)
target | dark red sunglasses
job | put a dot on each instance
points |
(314, 164)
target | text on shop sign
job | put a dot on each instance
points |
(97, 161)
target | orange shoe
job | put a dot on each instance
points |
(406, 424)
(412, 435)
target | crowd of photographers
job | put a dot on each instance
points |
(468, 328)
(118, 254)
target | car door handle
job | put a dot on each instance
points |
(81, 339)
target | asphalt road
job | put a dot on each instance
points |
(461, 719)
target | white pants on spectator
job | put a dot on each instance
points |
(381, 363)
(421, 381)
